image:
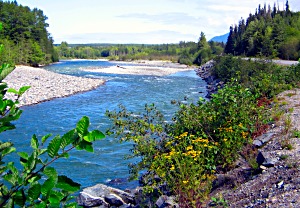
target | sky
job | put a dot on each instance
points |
(144, 21)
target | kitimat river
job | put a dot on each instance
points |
(61, 115)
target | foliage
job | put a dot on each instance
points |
(185, 52)
(202, 139)
(37, 184)
(262, 77)
(208, 136)
(25, 35)
(269, 32)
(146, 130)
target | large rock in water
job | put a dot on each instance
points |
(104, 196)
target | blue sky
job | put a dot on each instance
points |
(144, 21)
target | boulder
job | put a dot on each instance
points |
(104, 196)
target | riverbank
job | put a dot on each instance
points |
(143, 67)
(46, 85)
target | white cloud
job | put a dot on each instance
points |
(131, 18)
(161, 36)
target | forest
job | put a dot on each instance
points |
(267, 33)
(25, 36)
(184, 52)
(270, 32)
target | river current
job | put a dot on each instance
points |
(61, 115)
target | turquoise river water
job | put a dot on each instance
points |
(60, 115)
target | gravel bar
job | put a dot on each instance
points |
(46, 85)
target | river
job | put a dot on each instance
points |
(60, 115)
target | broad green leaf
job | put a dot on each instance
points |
(55, 198)
(67, 184)
(8, 151)
(54, 146)
(12, 179)
(1, 26)
(44, 138)
(35, 178)
(93, 136)
(42, 151)
(47, 186)
(84, 145)
(34, 142)
(20, 198)
(23, 89)
(41, 205)
(31, 162)
(65, 155)
(82, 126)
(11, 90)
(6, 127)
(12, 168)
(68, 138)
(13, 176)
(5, 145)
(34, 192)
(23, 158)
(50, 172)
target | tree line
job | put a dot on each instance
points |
(25, 36)
(269, 32)
(184, 52)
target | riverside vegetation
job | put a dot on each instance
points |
(35, 183)
(206, 137)
(183, 156)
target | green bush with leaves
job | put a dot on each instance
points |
(262, 77)
(204, 138)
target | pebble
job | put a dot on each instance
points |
(46, 85)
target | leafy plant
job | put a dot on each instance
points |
(296, 133)
(36, 184)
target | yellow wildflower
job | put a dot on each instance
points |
(183, 134)
(167, 156)
(244, 134)
(185, 182)
(225, 140)
(172, 168)
(189, 148)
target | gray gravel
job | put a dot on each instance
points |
(46, 85)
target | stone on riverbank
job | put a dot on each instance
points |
(46, 85)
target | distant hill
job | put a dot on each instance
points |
(221, 38)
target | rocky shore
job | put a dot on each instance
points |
(205, 72)
(46, 85)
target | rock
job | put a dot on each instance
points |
(257, 143)
(105, 196)
(263, 139)
(265, 160)
(260, 159)
(87, 200)
(166, 202)
(280, 185)
(114, 200)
